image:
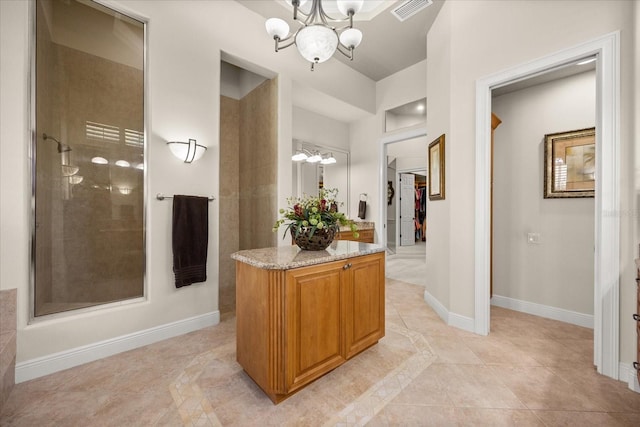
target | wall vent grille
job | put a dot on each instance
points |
(409, 8)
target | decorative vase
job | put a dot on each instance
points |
(320, 240)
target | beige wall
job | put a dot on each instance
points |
(511, 33)
(558, 271)
(365, 134)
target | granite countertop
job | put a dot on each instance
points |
(362, 225)
(288, 257)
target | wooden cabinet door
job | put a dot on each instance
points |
(363, 303)
(313, 322)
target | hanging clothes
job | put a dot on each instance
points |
(420, 211)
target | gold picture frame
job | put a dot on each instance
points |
(570, 164)
(436, 169)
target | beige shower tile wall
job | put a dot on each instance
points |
(102, 228)
(229, 200)
(258, 166)
(248, 170)
(8, 305)
(88, 236)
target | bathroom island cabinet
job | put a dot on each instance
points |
(301, 314)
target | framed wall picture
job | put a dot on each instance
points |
(436, 169)
(570, 164)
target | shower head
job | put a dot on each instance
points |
(62, 148)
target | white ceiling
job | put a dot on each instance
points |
(388, 45)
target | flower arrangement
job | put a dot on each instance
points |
(312, 213)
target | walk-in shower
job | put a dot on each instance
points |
(88, 110)
(62, 148)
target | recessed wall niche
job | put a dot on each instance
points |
(88, 149)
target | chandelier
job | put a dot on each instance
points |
(317, 39)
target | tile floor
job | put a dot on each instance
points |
(528, 371)
(408, 264)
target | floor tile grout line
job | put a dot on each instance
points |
(350, 412)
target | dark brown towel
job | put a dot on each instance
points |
(190, 239)
(362, 209)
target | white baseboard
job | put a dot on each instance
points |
(451, 319)
(628, 373)
(462, 322)
(437, 306)
(573, 317)
(49, 364)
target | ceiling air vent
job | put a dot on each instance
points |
(409, 8)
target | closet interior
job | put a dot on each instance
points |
(420, 184)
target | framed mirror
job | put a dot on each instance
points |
(310, 176)
(87, 156)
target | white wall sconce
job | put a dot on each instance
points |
(299, 156)
(313, 156)
(328, 159)
(187, 151)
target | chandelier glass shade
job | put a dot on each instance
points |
(316, 43)
(318, 38)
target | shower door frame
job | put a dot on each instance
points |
(33, 136)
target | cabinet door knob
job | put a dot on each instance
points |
(346, 266)
(636, 366)
(636, 317)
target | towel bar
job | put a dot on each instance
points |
(161, 196)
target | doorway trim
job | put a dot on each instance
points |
(607, 198)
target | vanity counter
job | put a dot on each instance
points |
(362, 225)
(289, 257)
(366, 231)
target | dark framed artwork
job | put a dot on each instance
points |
(436, 169)
(390, 192)
(570, 164)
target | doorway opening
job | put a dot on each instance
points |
(607, 227)
(408, 261)
(542, 244)
(404, 153)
